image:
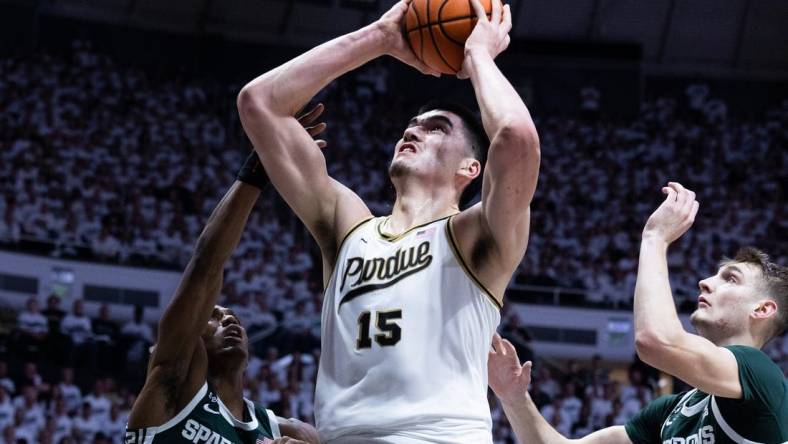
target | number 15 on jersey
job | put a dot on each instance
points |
(389, 331)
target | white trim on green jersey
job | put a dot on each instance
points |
(735, 437)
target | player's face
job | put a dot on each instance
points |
(224, 336)
(726, 301)
(433, 144)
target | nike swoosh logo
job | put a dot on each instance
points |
(208, 409)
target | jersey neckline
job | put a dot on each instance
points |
(395, 237)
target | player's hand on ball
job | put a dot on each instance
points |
(390, 24)
(307, 120)
(489, 35)
(508, 379)
(675, 216)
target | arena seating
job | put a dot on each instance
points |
(110, 163)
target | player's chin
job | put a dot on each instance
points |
(698, 317)
(399, 167)
(240, 350)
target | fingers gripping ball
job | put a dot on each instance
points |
(437, 30)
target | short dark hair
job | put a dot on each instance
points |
(775, 278)
(480, 143)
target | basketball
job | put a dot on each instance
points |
(437, 29)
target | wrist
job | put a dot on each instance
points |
(654, 239)
(474, 55)
(382, 37)
(252, 172)
(477, 53)
(515, 400)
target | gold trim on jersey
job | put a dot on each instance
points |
(396, 237)
(349, 232)
(339, 249)
(456, 250)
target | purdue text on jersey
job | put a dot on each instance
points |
(387, 271)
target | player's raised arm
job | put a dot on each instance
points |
(512, 167)
(179, 364)
(509, 380)
(297, 169)
(660, 338)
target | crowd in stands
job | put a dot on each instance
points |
(73, 379)
(111, 163)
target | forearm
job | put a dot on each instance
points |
(528, 424)
(223, 230)
(288, 88)
(656, 319)
(499, 102)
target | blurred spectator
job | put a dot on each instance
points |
(105, 335)
(64, 423)
(5, 379)
(32, 326)
(106, 245)
(72, 394)
(6, 409)
(78, 328)
(571, 404)
(99, 401)
(54, 314)
(86, 424)
(30, 377)
(30, 413)
(137, 337)
(115, 426)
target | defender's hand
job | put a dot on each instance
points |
(307, 119)
(297, 431)
(508, 379)
(490, 36)
(675, 216)
(287, 440)
(391, 25)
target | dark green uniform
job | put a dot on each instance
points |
(205, 420)
(694, 417)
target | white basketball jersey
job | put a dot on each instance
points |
(405, 335)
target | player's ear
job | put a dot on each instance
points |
(470, 168)
(766, 308)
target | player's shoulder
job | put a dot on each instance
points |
(762, 380)
(754, 361)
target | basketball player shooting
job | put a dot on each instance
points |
(193, 390)
(741, 395)
(412, 299)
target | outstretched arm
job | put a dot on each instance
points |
(509, 380)
(297, 169)
(191, 306)
(513, 159)
(179, 364)
(660, 339)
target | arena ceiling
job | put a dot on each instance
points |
(730, 37)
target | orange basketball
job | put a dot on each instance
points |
(437, 30)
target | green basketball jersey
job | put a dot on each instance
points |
(206, 420)
(760, 416)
